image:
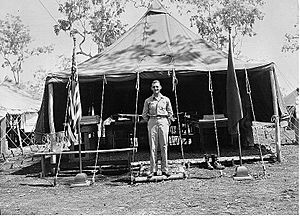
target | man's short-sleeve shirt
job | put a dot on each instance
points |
(157, 106)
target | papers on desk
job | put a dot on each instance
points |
(216, 116)
(212, 120)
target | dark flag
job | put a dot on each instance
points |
(234, 104)
(74, 112)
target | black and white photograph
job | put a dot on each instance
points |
(149, 107)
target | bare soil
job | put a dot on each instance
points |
(204, 192)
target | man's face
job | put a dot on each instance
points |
(156, 88)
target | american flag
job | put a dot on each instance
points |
(74, 111)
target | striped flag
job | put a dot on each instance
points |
(74, 111)
(233, 98)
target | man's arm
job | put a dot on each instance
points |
(145, 111)
(169, 110)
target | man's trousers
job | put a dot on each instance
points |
(158, 130)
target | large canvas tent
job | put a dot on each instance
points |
(18, 116)
(153, 48)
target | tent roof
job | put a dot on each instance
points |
(14, 101)
(290, 99)
(157, 42)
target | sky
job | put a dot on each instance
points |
(41, 15)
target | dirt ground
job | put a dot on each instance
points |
(203, 193)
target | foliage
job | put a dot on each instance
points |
(14, 41)
(98, 19)
(36, 86)
(214, 17)
(291, 43)
(64, 63)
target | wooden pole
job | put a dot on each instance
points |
(239, 143)
(79, 148)
(78, 125)
(51, 122)
(19, 134)
(3, 141)
(276, 116)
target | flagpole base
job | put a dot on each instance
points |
(241, 173)
(80, 180)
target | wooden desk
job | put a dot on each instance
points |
(89, 136)
(120, 134)
(203, 124)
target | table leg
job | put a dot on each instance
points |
(43, 165)
(129, 155)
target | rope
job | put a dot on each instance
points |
(135, 144)
(174, 83)
(135, 141)
(210, 88)
(101, 126)
(248, 89)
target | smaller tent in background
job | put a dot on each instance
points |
(290, 99)
(291, 104)
(18, 115)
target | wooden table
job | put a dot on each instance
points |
(202, 124)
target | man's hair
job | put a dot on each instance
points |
(155, 81)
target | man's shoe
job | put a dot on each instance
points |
(166, 174)
(216, 163)
(207, 164)
(152, 174)
(218, 166)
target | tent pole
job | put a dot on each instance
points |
(276, 116)
(3, 142)
(51, 122)
(19, 135)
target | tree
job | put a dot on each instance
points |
(64, 63)
(214, 17)
(36, 86)
(291, 43)
(98, 19)
(101, 19)
(14, 41)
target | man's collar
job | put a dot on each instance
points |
(159, 96)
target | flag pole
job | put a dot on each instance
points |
(80, 179)
(79, 148)
(239, 143)
(78, 125)
(234, 110)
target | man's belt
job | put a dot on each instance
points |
(158, 116)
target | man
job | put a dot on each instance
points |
(158, 113)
